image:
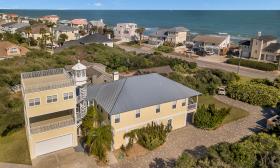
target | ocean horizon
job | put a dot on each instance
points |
(240, 24)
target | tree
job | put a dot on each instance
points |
(99, 141)
(62, 38)
(50, 25)
(93, 119)
(43, 39)
(107, 30)
(140, 31)
(28, 31)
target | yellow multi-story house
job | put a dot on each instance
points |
(49, 110)
(134, 102)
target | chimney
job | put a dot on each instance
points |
(116, 76)
(259, 34)
(109, 36)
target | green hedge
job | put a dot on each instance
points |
(254, 93)
(209, 117)
(253, 64)
(165, 49)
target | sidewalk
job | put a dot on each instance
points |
(12, 165)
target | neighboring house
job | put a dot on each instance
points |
(12, 27)
(176, 35)
(134, 102)
(97, 23)
(245, 48)
(10, 50)
(259, 43)
(11, 17)
(79, 23)
(50, 115)
(49, 18)
(126, 32)
(35, 31)
(271, 53)
(71, 32)
(213, 43)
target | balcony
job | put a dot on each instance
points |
(51, 122)
(192, 106)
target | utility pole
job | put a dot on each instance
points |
(238, 69)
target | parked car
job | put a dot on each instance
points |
(210, 53)
(222, 90)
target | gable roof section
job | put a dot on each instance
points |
(210, 39)
(273, 47)
(137, 92)
(94, 38)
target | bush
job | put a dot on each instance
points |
(261, 150)
(253, 64)
(165, 49)
(150, 137)
(254, 93)
(209, 117)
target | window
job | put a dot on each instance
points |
(174, 105)
(34, 102)
(13, 50)
(158, 109)
(184, 103)
(67, 96)
(138, 114)
(117, 118)
(52, 99)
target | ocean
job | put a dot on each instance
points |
(239, 24)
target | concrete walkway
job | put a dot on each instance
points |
(196, 140)
(11, 165)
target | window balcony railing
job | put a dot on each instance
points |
(192, 106)
(51, 126)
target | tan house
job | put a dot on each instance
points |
(213, 43)
(133, 102)
(49, 110)
(176, 35)
(35, 31)
(71, 32)
(271, 53)
(9, 50)
(258, 45)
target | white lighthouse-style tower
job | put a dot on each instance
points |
(80, 74)
(80, 77)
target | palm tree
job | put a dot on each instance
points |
(51, 25)
(99, 141)
(43, 32)
(28, 31)
(62, 38)
(140, 31)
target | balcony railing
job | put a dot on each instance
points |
(192, 106)
(52, 126)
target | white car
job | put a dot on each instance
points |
(222, 91)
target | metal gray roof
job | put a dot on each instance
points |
(137, 92)
(273, 47)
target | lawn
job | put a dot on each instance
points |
(14, 148)
(235, 113)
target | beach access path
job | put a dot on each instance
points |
(204, 63)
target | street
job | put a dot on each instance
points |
(247, 72)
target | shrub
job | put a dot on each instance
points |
(150, 137)
(254, 93)
(186, 161)
(209, 117)
(165, 49)
(253, 64)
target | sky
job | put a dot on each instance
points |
(143, 4)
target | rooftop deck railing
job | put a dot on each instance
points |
(52, 126)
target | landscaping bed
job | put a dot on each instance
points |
(253, 64)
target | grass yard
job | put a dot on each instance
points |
(245, 79)
(235, 113)
(14, 148)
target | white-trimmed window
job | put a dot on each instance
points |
(158, 109)
(117, 118)
(184, 103)
(34, 102)
(67, 96)
(52, 99)
(138, 114)
(174, 105)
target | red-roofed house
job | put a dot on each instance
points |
(79, 23)
(11, 17)
(50, 18)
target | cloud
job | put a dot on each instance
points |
(97, 4)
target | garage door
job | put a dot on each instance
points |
(53, 144)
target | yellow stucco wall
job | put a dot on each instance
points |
(44, 107)
(128, 120)
(35, 138)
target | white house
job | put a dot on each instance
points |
(126, 32)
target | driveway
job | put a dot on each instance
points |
(67, 158)
(204, 63)
(196, 140)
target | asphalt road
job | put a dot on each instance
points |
(247, 72)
